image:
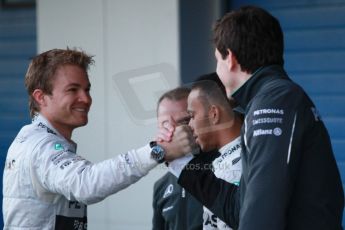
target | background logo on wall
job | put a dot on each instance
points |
(141, 88)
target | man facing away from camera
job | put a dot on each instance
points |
(290, 179)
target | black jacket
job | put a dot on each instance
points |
(290, 179)
(173, 207)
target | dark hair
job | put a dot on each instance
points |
(176, 94)
(212, 77)
(212, 91)
(42, 69)
(253, 35)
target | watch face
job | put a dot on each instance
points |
(158, 153)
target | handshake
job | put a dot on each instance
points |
(177, 141)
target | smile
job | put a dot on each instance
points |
(82, 110)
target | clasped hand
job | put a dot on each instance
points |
(177, 140)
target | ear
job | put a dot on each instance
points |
(214, 114)
(232, 60)
(39, 97)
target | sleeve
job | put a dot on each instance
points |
(219, 196)
(176, 166)
(63, 172)
(268, 138)
(157, 219)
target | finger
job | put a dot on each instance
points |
(184, 131)
(180, 135)
(168, 126)
(164, 135)
(172, 121)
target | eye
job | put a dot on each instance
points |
(72, 89)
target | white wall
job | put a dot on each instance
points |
(135, 44)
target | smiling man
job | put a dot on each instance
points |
(46, 184)
(67, 107)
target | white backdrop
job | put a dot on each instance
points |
(135, 44)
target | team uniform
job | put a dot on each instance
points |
(173, 207)
(290, 179)
(228, 167)
(47, 186)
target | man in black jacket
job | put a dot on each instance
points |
(290, 178)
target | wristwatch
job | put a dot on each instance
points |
(157, 152)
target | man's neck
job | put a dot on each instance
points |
(65, 132)
(241, 78)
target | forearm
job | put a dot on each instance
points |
(79, 179)
(216, 194)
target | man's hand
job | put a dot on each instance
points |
(165, 133)
(182, 142)
(166, 130)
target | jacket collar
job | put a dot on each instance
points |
(229, 147)
(251, 87)
(40, 121)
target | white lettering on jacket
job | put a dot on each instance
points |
(276, 132)
(268, 111)
(268, 120)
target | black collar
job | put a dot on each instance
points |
(251, 87)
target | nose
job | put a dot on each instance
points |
(84, 96)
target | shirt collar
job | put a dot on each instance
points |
(229, 145)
